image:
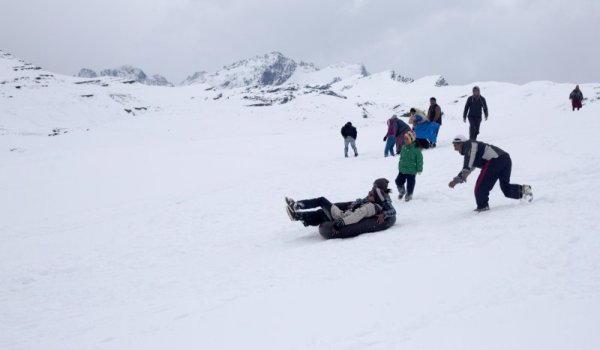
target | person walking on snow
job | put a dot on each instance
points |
(576, 97)
(349, 134)
(410, 164)
(473, 107)
(495, 164)
(434, 114)
(377, 203)
(390, 136)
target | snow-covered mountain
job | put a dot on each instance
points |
(271, 69)
(153, 218)
(196, 78)
(127, 73)
(274, 69)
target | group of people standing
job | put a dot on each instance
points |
(421, 133)
(495, 165)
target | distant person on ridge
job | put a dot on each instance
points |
(390, 136)
(495, 165)
(349, 134)
(576, 97)
(434, 114)
(473, 107)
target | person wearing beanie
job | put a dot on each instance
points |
(473, 107)
(410, 164)
(377, 203)
(349, 134)
(495, 164)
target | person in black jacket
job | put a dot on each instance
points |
(349, 134)
(576, 96)
(434, 114)
(473, 107)
(495, 164)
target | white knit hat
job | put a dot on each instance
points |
(459, 138)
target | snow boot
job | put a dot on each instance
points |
(401, 192)
(408, 197)
(293, 204)
(527, 192)
(482, 209)
(291, 213)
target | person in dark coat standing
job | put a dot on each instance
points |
(576, 97)
(473, 107)
(401, 129)
(495, 164)
(434, 114)
(349, 134)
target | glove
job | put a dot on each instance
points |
(337, 226)
(385, 138)
(464, 120)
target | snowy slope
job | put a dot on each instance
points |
(166, 229)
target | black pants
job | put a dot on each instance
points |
(496, 169)
(474, 123)
(410, 179)
(317, 217)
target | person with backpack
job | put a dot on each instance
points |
(425, 130)
(390, 136)
(434, 115)
(495, 164)
(410, 164)
(473, 107)
(349, 134)
(401, 129)
(576, 97)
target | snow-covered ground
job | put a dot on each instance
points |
(167, 229)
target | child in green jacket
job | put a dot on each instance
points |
(411, 163)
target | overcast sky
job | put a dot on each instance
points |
(466, 41)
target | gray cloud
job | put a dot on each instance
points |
(502, 40)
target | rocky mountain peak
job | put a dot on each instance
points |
(127, 72)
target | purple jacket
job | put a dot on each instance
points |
(391, 127)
